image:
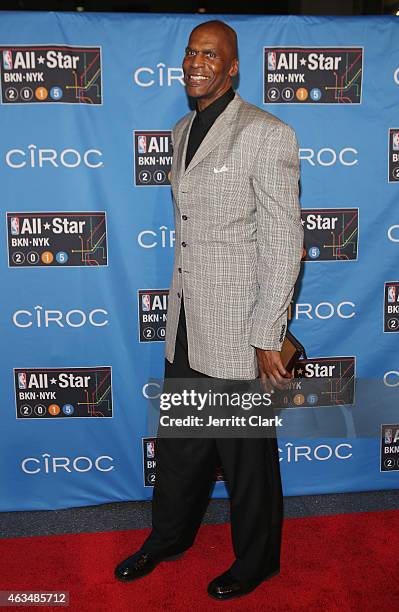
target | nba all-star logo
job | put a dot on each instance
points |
(313, 75)
(60, 393)
(152, 309)
(152, 157)
(389, 448)
(320, 381)
(150, 463)
(331, 234)
(393, 155)
(56, 74)
(391, 306)
(56, 239)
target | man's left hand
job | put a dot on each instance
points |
(271, 368)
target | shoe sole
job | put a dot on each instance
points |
(233, 596)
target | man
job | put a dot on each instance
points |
(238, 248)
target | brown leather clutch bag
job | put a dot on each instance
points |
(291, 351)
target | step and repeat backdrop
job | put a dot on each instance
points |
(87, 107)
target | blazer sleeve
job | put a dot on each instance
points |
(275, 180)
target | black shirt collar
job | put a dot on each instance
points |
(209, 115)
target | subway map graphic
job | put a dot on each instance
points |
(313, 75)
(331, 234)
(50, 74)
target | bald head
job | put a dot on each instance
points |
(223, 31)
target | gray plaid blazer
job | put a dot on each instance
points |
(239, 239)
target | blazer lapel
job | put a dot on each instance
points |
(181, 152)
(217, 132)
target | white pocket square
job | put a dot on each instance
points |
(222, 169)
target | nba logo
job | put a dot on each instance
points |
(388, 436)
(7, 59)
(14, 226)
(391, 293)
(395, 141)
(142, 144)
(271, 60)
(22, 380)
(145, 302)
(150, 449)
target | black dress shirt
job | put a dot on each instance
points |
(203, 122)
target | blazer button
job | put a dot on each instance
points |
(184, 217)
(179, 270)
(184, 244)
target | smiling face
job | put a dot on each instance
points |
(209, 63)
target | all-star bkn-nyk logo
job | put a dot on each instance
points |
(51, 239)
(320, 381)
(331, 234)
(49, 393)
(152, 157)
(391, 306)
(50, 74)
(393, 155)
(310, 75)
(150, 462)
(389, 448)
(152, 308)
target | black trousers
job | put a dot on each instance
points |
(185, 471)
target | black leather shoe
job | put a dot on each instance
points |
(227, 586)
(140, 564)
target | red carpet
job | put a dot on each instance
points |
(342, 563)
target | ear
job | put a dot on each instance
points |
(234, 68)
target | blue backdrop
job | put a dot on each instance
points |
(88, 102)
